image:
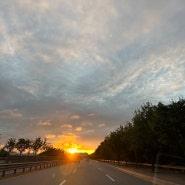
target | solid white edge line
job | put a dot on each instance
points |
(100, 169)
(110, 178)
(62, 182)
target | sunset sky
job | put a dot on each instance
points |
(72, 71)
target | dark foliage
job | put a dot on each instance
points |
(50, 151)
(156, 134)
(3, 153)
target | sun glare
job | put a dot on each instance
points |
(72, 150)
(72, 147)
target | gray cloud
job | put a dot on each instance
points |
(10, 114)
(71, 59)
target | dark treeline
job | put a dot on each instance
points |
(156, 134)
(22, 145)
(29, 147)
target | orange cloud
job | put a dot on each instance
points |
(50, 136)
(67, 136)
(90, 131)
(66, 126)
(75, 117)
(78, 129)
(101, 125)
(44, 123)
(92, 115)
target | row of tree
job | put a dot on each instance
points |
(23, 145)
(156, 134)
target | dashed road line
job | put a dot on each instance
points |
(100, 169)
(74, 171)
(64, 181)
(113, 180)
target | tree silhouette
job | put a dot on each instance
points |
(29, 145)
(38, 143)
(21, 145)
(10, 145)
(155, 130)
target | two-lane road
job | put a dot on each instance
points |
(84, 173)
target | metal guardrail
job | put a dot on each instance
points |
(156, 166)
(27, 158)
(13, 168)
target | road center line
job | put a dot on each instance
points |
(100, 169)
(74, 171)
(62, 182)
(113, 180)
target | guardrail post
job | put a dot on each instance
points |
(3, 174)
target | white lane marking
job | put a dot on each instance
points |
(100, 169)
(113, 180)
(74, 171)
(62, 182)
(94, 165)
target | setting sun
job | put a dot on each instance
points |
(73, 150)
(71, 146)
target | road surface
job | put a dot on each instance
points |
(83, 173)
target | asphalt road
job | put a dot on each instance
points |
(83, 173)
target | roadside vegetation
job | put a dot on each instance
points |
(26, 150)
(33, 150)
(24, 145)
(156, 134)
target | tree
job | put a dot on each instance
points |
(3, 153)
(10, 145)
(38, 144)
(116, 143)
(29, 145)
(51, 151)
(145, 142)
(156, 134)
(21, 145)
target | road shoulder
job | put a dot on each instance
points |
(155, 178)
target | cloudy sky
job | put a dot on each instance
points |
(72, 71)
